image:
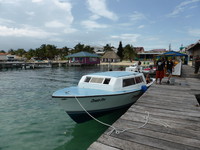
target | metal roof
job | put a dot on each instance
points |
(82, 54)
(173, 53)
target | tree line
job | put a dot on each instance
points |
(51, 52)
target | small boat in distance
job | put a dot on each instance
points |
(151, 69)
(100, 93)
(134, 67)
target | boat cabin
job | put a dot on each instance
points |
(113, 81)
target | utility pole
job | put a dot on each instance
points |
(169, 46)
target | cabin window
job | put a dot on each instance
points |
(128, 82)
(87, 79)
(96, 80)
(138, 79)
(106, 81)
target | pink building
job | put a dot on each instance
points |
(83, 58)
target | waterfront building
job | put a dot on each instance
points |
(150, 55)
(3, 56)
(110, 56)
(139, 49)
(98, 50)
(8, 57)
(193, 50)
(83, 58)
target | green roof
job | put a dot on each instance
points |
(82, 54)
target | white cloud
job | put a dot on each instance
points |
(99, 8)
(94, 17)
(30, 13)
(137, 16)
(70, 30)
(37, 1)
(194, 32)
(92, 24)
(63, 5)
(6, 21)
(52, 10)
(181, 7)
(10, 1)
(53, 21)
(40, 20)
(132, 38)
(141, 26)
(54, 24)
(24, 32)
(66, 7)
(56, 39)
(189, 16)
(192, 7)
(61, 15)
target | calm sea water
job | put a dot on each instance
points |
(31, 120)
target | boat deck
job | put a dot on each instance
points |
(173, 121)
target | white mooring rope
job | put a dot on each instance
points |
(117, 131)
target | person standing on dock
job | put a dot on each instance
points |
(170, 69)
(160, 65)
(139, 66)
(197, 64)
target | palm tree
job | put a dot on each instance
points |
(129, 52)
(78, 48)
(107, 48)
(63, 52)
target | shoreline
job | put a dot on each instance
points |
(126, 63)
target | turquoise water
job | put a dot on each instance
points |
(31, 120)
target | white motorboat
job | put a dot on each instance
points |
(99, 93)
(134, 67)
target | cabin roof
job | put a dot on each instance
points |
(114, 73)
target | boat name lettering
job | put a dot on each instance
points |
(98, 100)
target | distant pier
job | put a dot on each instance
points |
(31, 65)
(167, 116)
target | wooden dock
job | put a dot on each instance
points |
(32, 65)
(169, 114)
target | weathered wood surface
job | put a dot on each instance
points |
(173, 122)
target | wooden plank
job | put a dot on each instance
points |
(100, 146)
(169, 94)
(124, 144)
(166, 136)
(174, 113)
(173, 108)
(162, 121)
(153, 141)
(179, 131)
(167, 104)
(173, 121)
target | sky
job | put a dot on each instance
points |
(152, 24)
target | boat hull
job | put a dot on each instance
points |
(96, 105)
(82, 116)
